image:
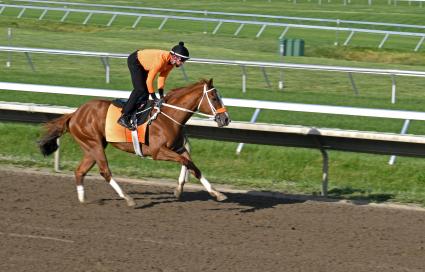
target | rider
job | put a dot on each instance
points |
(144, 66)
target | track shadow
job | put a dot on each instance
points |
(253, 200)
(358, 196)
(245, 202)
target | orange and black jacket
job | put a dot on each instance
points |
(155, 62)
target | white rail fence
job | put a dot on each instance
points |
(320, 2)
(338, 22)
(258, 105)
(393, 73)
(220, 21)
(270, 134)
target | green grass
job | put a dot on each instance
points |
(292, 170)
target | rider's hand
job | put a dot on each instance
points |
(161, 93)
(153, 97)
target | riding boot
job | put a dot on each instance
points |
(125, 121)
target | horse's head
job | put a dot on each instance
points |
(211, 103)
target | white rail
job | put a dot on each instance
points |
(232, 102)
(219, 22)
(105, 56)
(233, 14)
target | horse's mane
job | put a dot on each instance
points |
(178, 91)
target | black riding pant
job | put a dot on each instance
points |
(140, 91)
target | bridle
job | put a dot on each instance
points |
(204, 95)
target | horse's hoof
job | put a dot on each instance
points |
(177, 193)
(130, 202)
(221, 197)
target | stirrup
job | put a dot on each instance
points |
(126, 122)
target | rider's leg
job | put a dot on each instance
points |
(140, 91)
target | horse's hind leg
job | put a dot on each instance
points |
(105, 172)
(94, 153)
(85, 165)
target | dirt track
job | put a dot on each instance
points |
(44, 228)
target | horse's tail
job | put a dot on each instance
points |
(53, 130)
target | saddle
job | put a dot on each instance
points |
(142, 113)
(117, 133)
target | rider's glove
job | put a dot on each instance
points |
(153, 97)
(161, 93)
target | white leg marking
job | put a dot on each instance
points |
(206, 184)
(117, 188)
(183, 173)
(80, 192)
(187, 176)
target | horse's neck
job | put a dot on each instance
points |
(190, 104)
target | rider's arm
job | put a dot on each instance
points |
(151, 77)
(161, 79)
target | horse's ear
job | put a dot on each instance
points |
(210, 82)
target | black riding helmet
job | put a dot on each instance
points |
(181, 51)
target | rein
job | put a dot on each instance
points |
(205, 94)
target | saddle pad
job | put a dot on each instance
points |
(117, 133)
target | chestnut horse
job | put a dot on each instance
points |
(166, 138)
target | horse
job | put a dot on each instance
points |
(165, 134)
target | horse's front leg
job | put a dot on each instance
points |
(183, 178)
(166, 154)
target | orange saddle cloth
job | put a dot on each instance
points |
(117, 133)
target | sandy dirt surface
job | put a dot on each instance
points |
(44, 228)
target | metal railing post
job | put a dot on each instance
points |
(349, 38)
(21, 13)
(403, 131)
(266, 77)
(112, 20)
(30, 61)
(163, 23)
(353, 83)
(87, 18)
(419, 43)
(217, 27)
(64, 16)
(136, 22)
(238, 30)
(243, 79)
(105, 61)
(184, 73)
(57, 157)
(206, 23)
(325, 172)
(253, 120)
(9, 41)
(283, 33)
(384, 40)
(337, 32)
(393, 89)
(43, 14)
(261, 31)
